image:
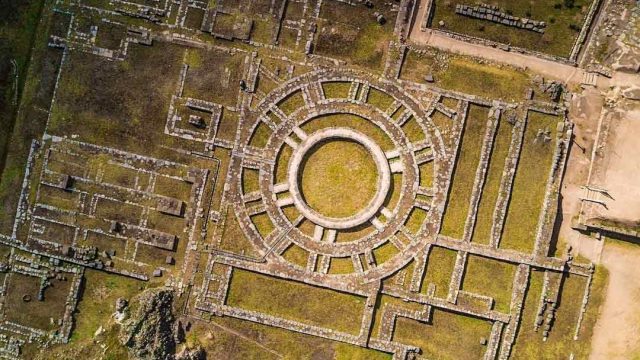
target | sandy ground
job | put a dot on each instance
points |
(619, 169)
(618, 328)
(585, 113)
(617, 332)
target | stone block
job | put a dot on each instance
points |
(170, 206)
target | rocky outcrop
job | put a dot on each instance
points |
(197, 353)
(149, 332)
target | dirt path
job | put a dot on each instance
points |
(585, 112)
(617, 331)
(244, 337)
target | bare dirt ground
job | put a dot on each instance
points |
(619, 168)
(618, 329)
(615, 166)
(585, 113)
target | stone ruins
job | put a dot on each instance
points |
(219, 190)
(492, 13)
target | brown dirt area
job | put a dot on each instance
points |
(617, 331)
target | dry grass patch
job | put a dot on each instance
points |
(233, 238)
(490, 278)
(385, 252)
(341, 265)
(529, 344)
(295, 301)
(379, 99)
(439, 269)
(249, 340)
(446, 336)
(338, 178)
(464, 175)
(336, 89)
(354, 122)
(260, 135)
(563, 23)
(263, 224)
(291, 103)
(529, 186)
(415, 220)
(296, 255)
(350, 32)
(35, 313)
(250, 180)
(489, 196)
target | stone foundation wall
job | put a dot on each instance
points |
(491, 13)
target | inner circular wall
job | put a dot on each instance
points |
(383, 180)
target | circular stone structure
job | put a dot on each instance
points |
(382, 184)
(383, 227)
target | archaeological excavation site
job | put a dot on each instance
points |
(319, 179)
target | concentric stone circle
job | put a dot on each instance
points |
(400, 154)
(377, 236)
(370, 209)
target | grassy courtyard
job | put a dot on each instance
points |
(295, 301)
(564, 20)
(465, 172)
(447, 336)
(338, 178)
(491, 187)
(530, 183)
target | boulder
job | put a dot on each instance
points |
(149, 333)
(631, 93)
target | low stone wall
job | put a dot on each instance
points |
(505, 47)
(491, 13)
(586, 27)
(571, 59)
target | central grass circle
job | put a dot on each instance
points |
(339, 178)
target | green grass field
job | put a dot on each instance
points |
(295, 301)
(563, 18)
(529, 185)
(339, 178)
(464, 175)
(489, 196)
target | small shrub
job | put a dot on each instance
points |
(552, 20)
(569, 3)
(557, 6)
(574, 27)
